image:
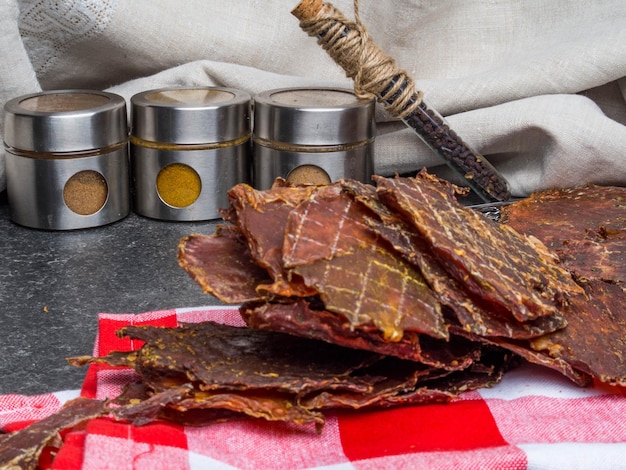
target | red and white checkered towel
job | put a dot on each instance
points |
(533, 419)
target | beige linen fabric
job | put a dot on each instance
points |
(538, 87)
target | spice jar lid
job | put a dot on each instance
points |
(313, 116)
(197, 115)
(65, 121)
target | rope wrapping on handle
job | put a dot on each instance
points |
(374, 73)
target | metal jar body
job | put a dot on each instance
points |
(218, 170)
(312, 136)
(67, 159)
(189, 146)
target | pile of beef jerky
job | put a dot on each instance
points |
(380, 295)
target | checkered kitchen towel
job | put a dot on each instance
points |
(533, 419)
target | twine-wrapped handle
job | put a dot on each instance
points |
(348, 43)
(375, 73)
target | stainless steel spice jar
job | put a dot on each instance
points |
(67, 159)
(312, 135)
(189, 146)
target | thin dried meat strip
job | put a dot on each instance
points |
(584, 226)
(594, 341)
(147, 410)
(522, 349)
(372, 286)
(555, 215)
(216, 356)
(262, 216)
(593, 345)
(255, 404)
(221, 264)
(330, 246)
(140, 405)
(493, 262)
(22, 449)
(401, 379)
(435, 388)
(299, 318)
(326, 225)
(470, 311)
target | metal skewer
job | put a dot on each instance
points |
(397, 93)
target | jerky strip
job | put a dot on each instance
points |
(493, 262)
(221, 264)
(326, 225)
(372, 286)
(22, 449)
(472, 312)
(584, 226)
(221, 357)
(301, 319)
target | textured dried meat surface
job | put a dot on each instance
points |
(223, 357)
(300, 319)
(22, 449)
(495, 263)
(594, 341)
(585, 227)
(373, 286)
(433, 388)
(222, 265)
(593, 345)
(221, 370)
(470, 311)
(262, 216)
(255, 404)
(326, 225)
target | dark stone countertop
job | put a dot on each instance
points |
(54, 283)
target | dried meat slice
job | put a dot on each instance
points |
(22, 449)
(372, 286)
(327, 224)
(262, 216)
(493, 262)
(593, 345)
(522, 349)
(221, 357)
(593, 248)
(472, 312)
(300, 318)
(584, 226)
(255, 404)
(487, 371)
(594, 341)
(555, 215)
(222, 265)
